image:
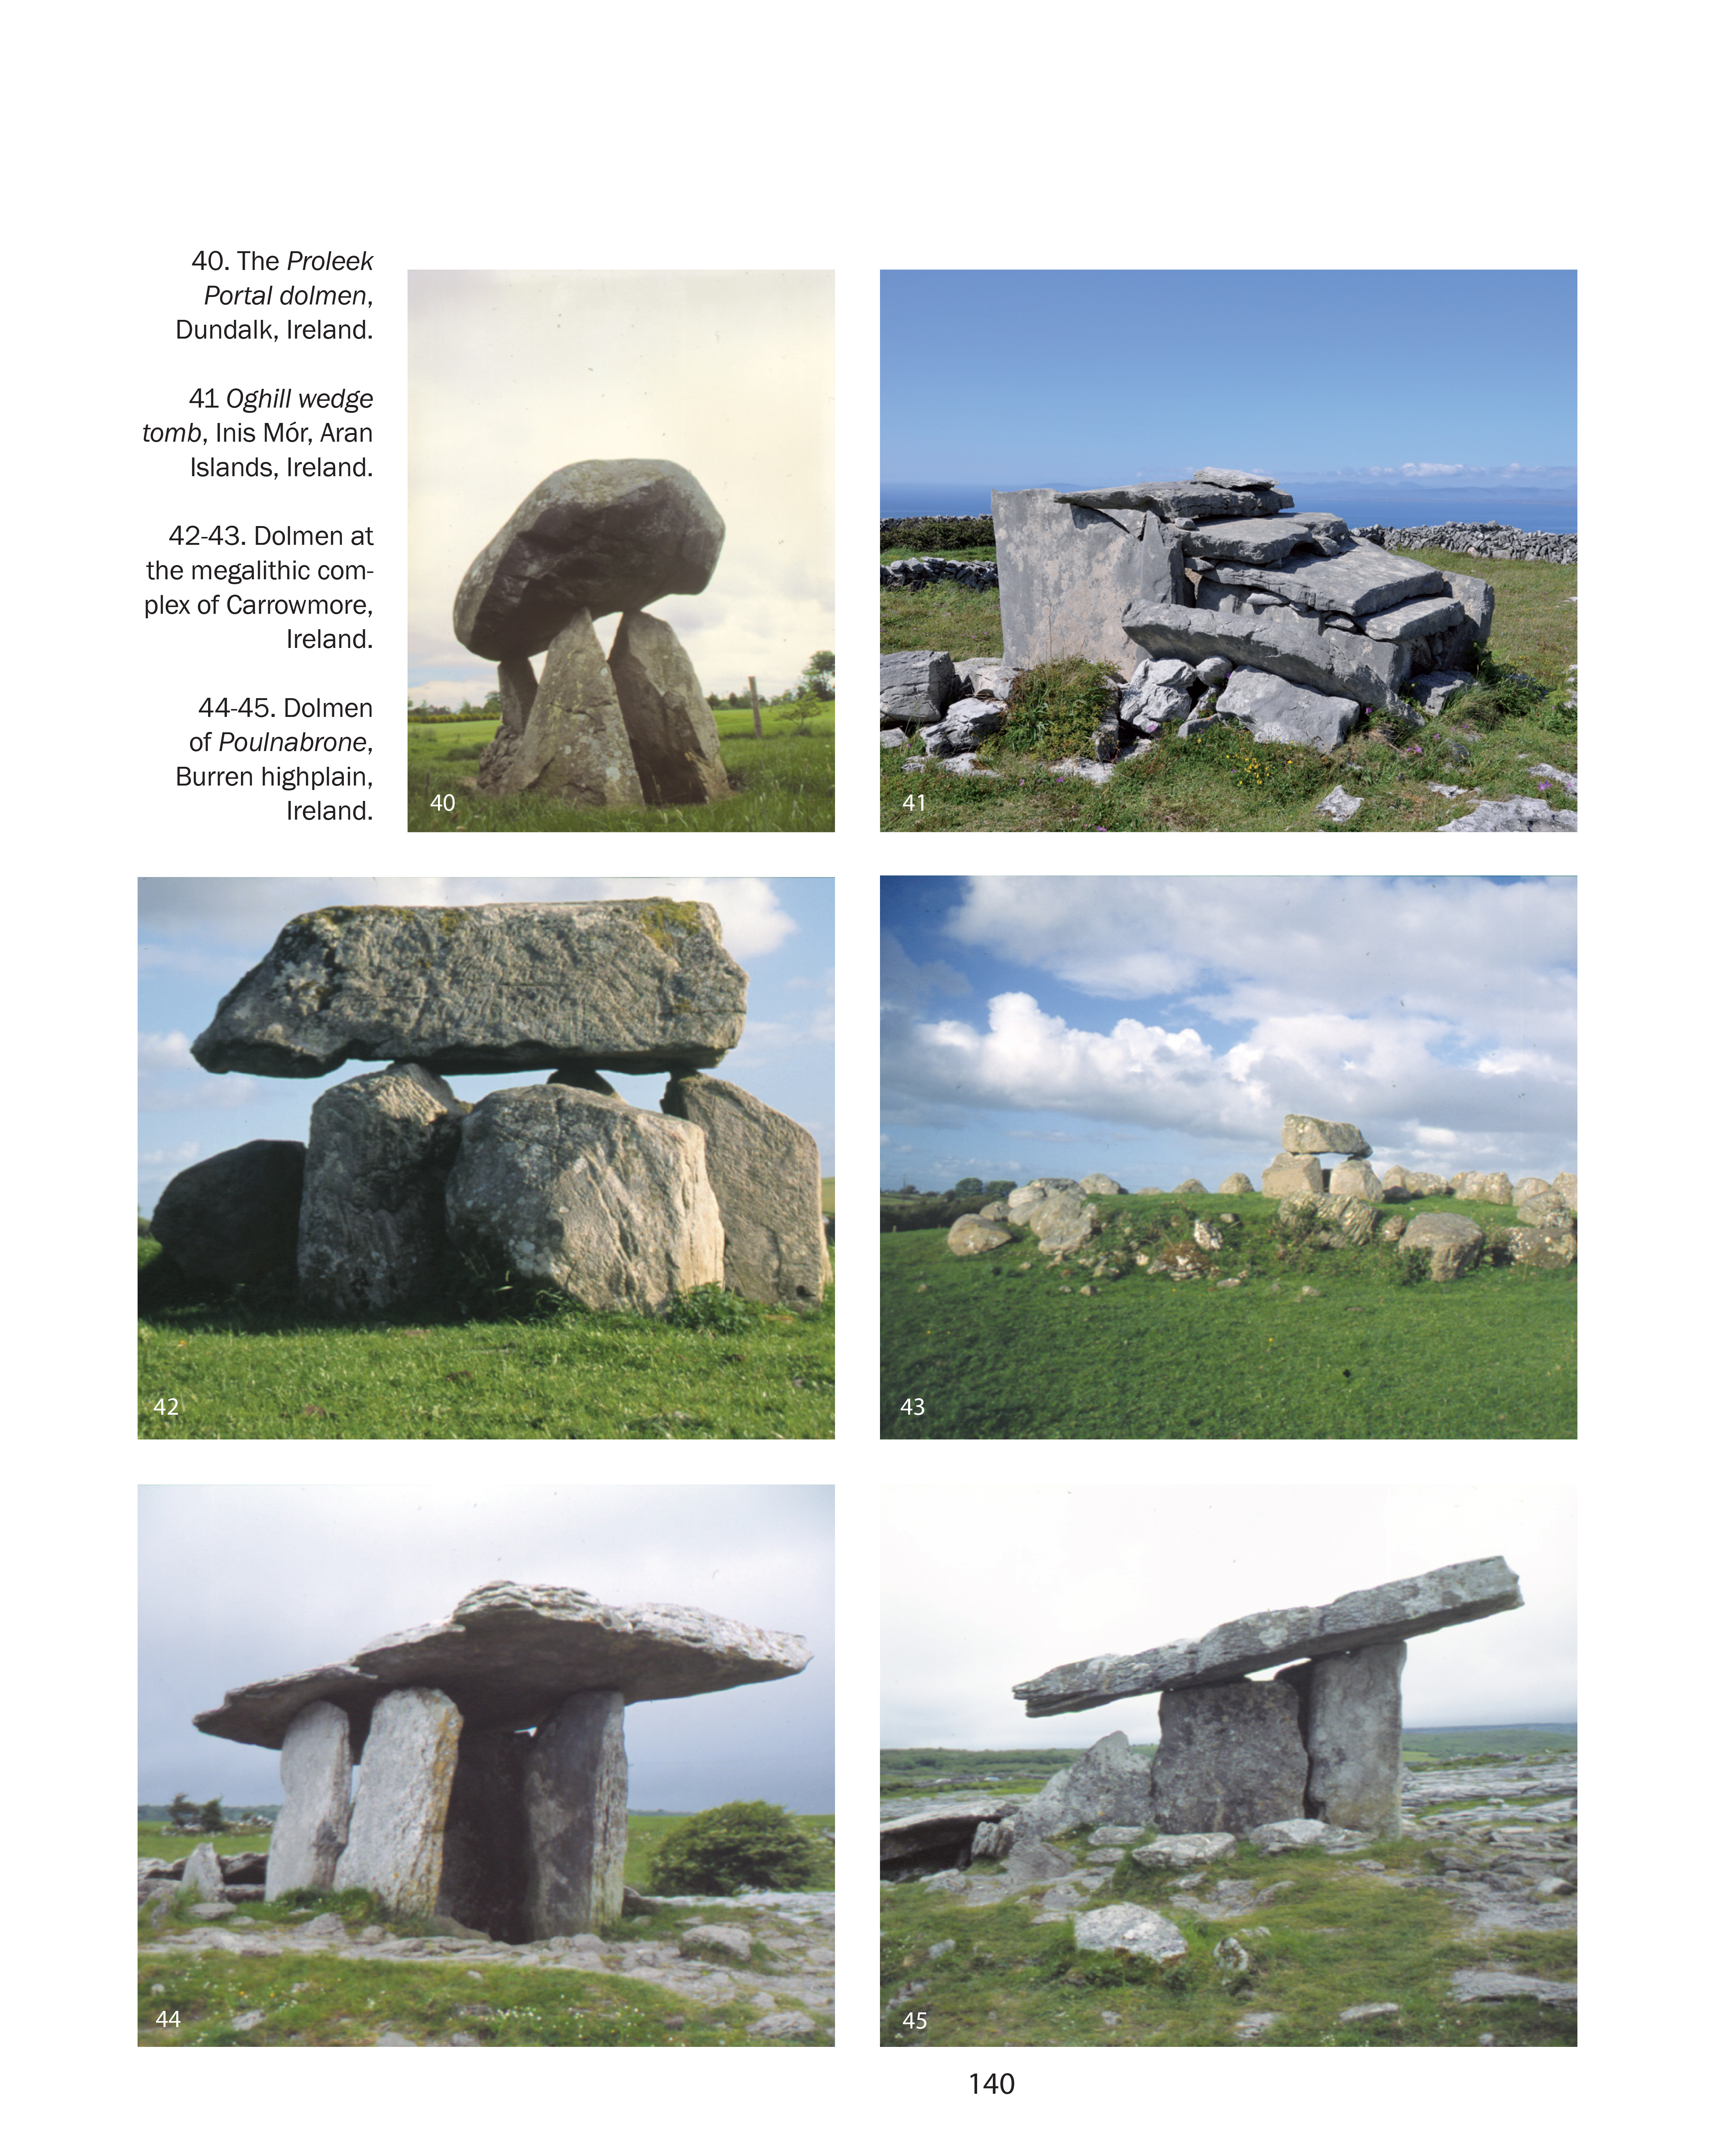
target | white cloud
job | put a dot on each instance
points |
(170, 1157)
(164, 1051)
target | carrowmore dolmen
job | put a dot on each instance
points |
(602, 536)
(494, 1787)
(562, 1185)
(1320, 1740)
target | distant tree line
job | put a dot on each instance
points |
(909, 1207)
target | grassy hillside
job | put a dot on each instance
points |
(1313, 1344)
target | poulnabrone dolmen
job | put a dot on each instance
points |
(563, 1185)
(494, 1786)
(1320, 1740)
(597, 538)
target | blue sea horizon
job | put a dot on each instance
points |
(1527, 509)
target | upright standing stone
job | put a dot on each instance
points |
(1350, 1713)
(672, 733)
(373, 1229)
(313, 1824)
(484, 1880)
(577, 1191)
(1162, 571)
(1064, 575)
(764, 1171)
(397, 1829)
(1230, 1758)
(1293, 1174)
(575, 1799)
(575, 745)
(202, 1876)
(1107, 1786)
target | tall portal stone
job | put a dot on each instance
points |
(372, 1232)
(396, 1831)
(575, 1795)
(484, 1880)
(1350, 1714)
(313, 1824)
(1230, 1758)
(574, 745)
(671, 729)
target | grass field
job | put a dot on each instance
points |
(252, 1367)
(1315, 1344)
(785, 782)
(1335, 1935)
(1222, 780)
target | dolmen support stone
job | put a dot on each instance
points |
(457, 1811)
(232, 1217)
(764, 1171)
(625, 984)
(1400, 1610)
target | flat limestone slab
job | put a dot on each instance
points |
(1365, 579)
(510, 1654)
(621, 984)
(1338, 662)
(1400, 1609)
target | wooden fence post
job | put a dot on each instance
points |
(753, 697)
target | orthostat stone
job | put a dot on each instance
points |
(764, 1171)
(575, 745)
(671, 729)
(1399, 1609)
(1229, 1756)
(510, 1654)
(1064, 574)
(1280, 641)
(313, 1824)
(396, 1827)
(608, 534)
(633, 984)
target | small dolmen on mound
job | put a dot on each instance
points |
(562, 1185)
(595, 538)
(1321, 1740)
(494, 1786)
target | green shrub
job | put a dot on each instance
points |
(712, 1309)
(732, 1845)
(920, 535)
(1411, 1266)
(1055, 709)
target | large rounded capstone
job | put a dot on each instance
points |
(623, 984)
(583, 1193)
(510, 1654)
(233, 1217)
(608, 534)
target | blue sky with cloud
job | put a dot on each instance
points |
(1159, 1027)
(197, 936)
(1336, 377)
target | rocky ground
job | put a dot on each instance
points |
(794, 1995)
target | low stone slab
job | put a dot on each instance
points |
(1231, 1757)
(939, 1826)
(1064, 574)
(672, 733)
(1274, 710)
(1417, 618)
(962, 727)
(973, 1236)
(608, 534)
(1254, 540)
(313, 1825)
(624, 984)
(1468, 1985)
(764, 1171)
(1126, 1928)
(1213, 476)
(1314, 1134)
(1362, 579)
(1453, 1243)
(1180, 500)
(233, 1217)
(1280, 642)
(397, 1829)
(1275, 1836)
(915, 685)
(1400, 1609)
(1518, 813)
(1183, 1852)
(509, 1654)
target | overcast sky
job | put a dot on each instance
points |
(1159, 1027)
(1088, 377)
(197, 936)
(236, 1584)
(513, 375)
(983, 1589)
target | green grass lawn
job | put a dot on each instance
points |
(785, 782)
(994, 1352)
(229, 1369)
(1222, 780)
(1334, 1937)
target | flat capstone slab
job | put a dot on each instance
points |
(634, 984)
(1400, 1610)
(508, 1656)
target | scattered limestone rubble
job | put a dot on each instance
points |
(563, 1185)
(707, 1963)
(1062, 1220)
